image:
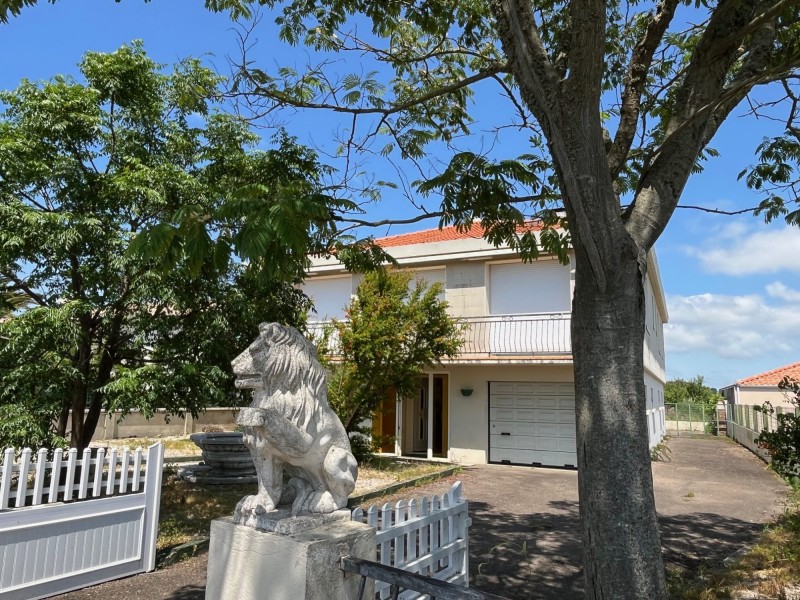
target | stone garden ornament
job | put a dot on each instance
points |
(290, 428)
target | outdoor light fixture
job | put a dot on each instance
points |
(466, 391)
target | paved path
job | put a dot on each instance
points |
(712, 497)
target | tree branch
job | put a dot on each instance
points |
(636, 80)
(288, 100)
(769, 14)
(427, 215)
(586, 51)
(702, 94)
(719, 211)
(21, 285)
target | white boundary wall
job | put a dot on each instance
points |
(114, 425)
(68, 523)
(428, 536)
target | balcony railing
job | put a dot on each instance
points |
(517, 334)
(499, 335)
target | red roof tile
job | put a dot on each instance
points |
(441, 235)
(773, 377)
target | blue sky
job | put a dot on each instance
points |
(732, 283)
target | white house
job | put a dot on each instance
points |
(509, 396)
(758, 389)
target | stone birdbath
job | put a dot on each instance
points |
(226, 459)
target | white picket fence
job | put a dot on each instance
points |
(429, 536)
(69, 522)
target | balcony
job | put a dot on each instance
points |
(517, 335)
(501, 336)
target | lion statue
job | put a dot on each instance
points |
(290, 428)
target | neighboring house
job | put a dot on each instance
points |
(762, 388)
(509, 396)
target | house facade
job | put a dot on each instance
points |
(758, 389)
(509, 395)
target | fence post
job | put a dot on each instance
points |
(22, 482)
(152, 492)
(5, 478)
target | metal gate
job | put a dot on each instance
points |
(67, 523)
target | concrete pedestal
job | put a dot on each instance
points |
(303, 564)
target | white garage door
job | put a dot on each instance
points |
(532, 424)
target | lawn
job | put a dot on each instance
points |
(174, 446)
(187, 509)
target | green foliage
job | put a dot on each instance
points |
(396, 327)
(661, 451)
(111, 192)
(11, 298)
(777, 174)
(783, 441)
(26, 426)
(693, 390)
(422, 63)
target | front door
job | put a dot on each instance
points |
(420, 418)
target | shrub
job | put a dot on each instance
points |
(783, 443)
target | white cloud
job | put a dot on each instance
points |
(731, 327)
(737, 249)
(778, 290)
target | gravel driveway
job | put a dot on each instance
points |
(712, 497)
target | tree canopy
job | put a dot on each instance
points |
(85, 168)
(692, 390)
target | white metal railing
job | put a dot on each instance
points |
(496, 335)
(547, 333)
(429, 536)
(103, 508)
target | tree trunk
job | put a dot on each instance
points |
(90, 421)
(78, 410)
(622, 550)
(63, 418)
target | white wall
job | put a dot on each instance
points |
(466, 289)
(757, 395)
(654, 360)
(654, 406)
(469, 416)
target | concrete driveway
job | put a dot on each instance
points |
(712, 496)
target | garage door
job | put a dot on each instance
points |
(532, 424)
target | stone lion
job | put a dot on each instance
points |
(289, 427)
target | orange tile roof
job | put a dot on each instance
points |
(445, 234)
(773, 377)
